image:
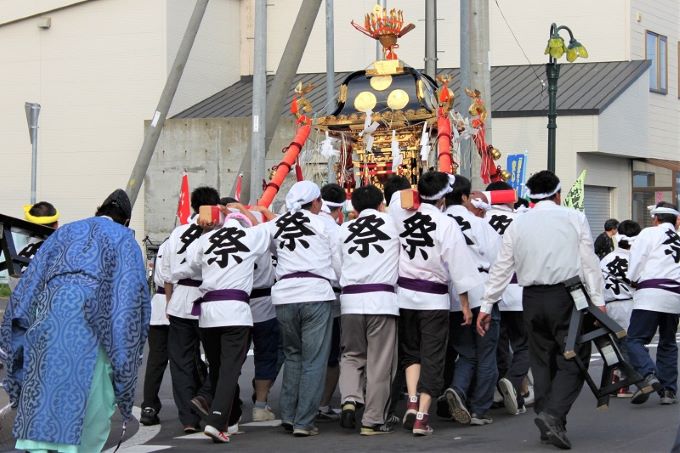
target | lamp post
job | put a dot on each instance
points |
(555, 50)
(32, 112)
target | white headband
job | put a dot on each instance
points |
(623, 237)
(543, 196)
(333, 204)
(446, 190)
(480, 204)
(664, 210)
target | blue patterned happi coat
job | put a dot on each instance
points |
(85, 288)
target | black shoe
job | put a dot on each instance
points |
(200, 405)
(668, 397)
(443, 408)
(648, 385)
(347, 417)
(553, 431)
(149, 417)
(287, 426)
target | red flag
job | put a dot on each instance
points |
(184, 204)
(239, 183)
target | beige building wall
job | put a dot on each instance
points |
(98, 73)
(662, 17)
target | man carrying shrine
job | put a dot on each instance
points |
(475, 373)
(654, 270)
(186, 368)
(225, 259)
(333, 197)
(433, 255)
(369, 252)
(512, 354)
(302, 296)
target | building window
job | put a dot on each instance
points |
(657, 53)
(653, 181)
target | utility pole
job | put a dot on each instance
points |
(466, 147)
(480, 72)
(32, 113)
(378, 48)
(330, 74)
(431, 38)
(153, 132)
(259, 127)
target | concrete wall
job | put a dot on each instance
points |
(210, 151)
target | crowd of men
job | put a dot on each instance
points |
(435, 294)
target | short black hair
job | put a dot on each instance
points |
(393, 184)
(308, 206)
(628, 228)
(334, 193)
(227, 200)
(113, 211)
(521, 202)
(431, 183)
(497, 185)
(611, 224)
(366, 197)
(462, 186)
(544, 181)
(204, 196)
(666, 218)
(43, 209)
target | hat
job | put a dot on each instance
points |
(300, 194)
(119, 199)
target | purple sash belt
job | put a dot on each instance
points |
(423, 286)
(368, 288)
(660, 283)
(219, 295)
(302, 275)
(260, 292)
(160, 290)
(190, 282)
(513, 280)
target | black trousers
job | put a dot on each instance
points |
(156, 363)
(512, 354)
(423, 336)
(186, 368)
(225, 349)
(557, 381)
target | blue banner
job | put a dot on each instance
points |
(517, 165)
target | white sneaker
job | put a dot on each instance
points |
(497, 397)
(233, 429)
(216, 435)
(509, 396)
(529, 398)
(263, 414)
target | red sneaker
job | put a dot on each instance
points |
(624, 392)
(411, 411)
(421, 426)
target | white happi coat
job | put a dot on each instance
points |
(226, 258)
(368, 250)
(302, 243)
(500, 217)
(655, 254)
(333, 230)
(264, 277)
(618, 293)
(177, 267)
(158, 301)
(433, 249)
(483, 242)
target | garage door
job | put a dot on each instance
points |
(597, 207)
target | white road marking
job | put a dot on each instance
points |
(270, 423)
(143, 435)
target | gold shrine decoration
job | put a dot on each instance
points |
(385, 27)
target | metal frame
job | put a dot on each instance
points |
(13, 262)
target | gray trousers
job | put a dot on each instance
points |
(368, 363)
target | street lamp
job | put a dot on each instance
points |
(32, 112)
(555, 50)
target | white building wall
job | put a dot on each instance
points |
(98, 73)
(662, 17)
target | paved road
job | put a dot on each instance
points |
(622, 428)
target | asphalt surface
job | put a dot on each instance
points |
(621, 428)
